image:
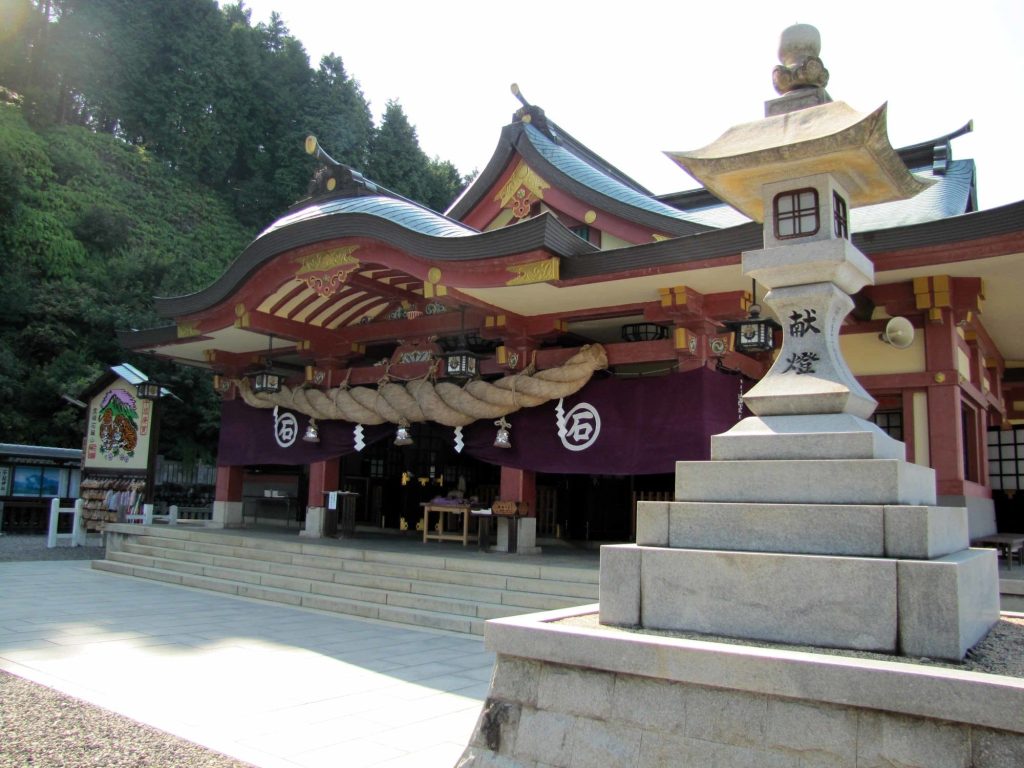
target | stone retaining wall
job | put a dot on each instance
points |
(670, 702)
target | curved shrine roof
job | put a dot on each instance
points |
(399, 211)
(598, 180)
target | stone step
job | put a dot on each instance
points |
(415, 616)
(457, 599)
(431, 589)
(261, 548)
(564, 582)
(439, 605)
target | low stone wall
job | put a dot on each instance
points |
(574, 697)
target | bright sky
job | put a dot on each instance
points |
(630, 79)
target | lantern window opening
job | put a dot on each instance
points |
(840, 216)
(796, 213)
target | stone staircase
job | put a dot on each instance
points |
(389, 581)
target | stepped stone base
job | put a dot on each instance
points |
(840, 529)
(937, 608)
(809, 481)
(823, 436)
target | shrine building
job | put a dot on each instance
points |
(560, 337)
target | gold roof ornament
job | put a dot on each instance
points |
(796, 140)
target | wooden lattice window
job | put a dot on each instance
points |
(1006, 459)
(890, 422)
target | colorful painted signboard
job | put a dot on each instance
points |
(119, 430)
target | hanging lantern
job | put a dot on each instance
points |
(460, 364)
(266, 381)
(148, 390)
(503, 439)
(312, 434)
(644, 332)
(402, 436)
(756, 333)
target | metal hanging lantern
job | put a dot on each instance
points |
(643, 332)
(312, 434)
(460, 364)
(148, 390)
(266, 381)
(756, 333)
(503, 439)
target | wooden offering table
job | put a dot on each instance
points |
(1008, 545)
(443, 511)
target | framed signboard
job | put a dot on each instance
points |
(119, 430)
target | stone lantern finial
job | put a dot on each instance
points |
(800, 77)
(800, 65)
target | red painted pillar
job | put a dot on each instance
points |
(945, 423)
(323, 476)
(229, 484)
(227, 498)
(520, 485)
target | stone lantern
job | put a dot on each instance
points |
(808, 525)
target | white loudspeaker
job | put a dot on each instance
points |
(898, 332)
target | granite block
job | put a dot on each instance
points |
(516, 680)
(837, 602)
(599, 744)
(996, 749)
(818, 732)
(887, 740)
(620, 585)
(948, 604)
(924, 533)
(819, 436)
(727, 717)
(834, 529)
(575, 691)
(840, 481)
(545, 737)
(655, 705)
(652, 523)
(835, 261)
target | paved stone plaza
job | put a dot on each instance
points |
(273, 685)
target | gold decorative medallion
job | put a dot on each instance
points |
(590, 217)
(521, 191)
(534, 272)
(187, 330)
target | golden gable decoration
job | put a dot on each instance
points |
(327, 271)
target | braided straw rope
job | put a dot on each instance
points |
(443, 402)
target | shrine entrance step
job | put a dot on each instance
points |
(403, 581)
